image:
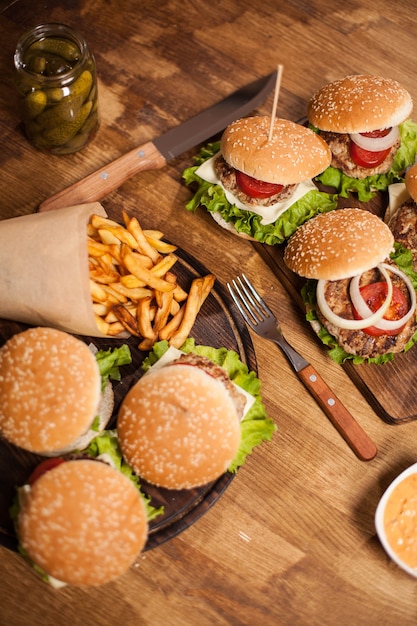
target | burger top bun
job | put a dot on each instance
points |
(339, 244)
(50, 390)
(359, 103)
(411, 181)
(83, 522)
(178, 427)
(294, 153)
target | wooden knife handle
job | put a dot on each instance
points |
(340, 417)
(108, 178)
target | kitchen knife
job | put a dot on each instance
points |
(155, 154)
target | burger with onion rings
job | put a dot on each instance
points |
(360, 295)
(364, 120)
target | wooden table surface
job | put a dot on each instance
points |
(292, 540)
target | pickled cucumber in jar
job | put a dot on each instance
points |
(55, 75)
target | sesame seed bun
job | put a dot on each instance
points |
(178, 427)
(338, 244)
(411, 181)
(359, 103)
(294, 153)
(50, 391)
(83, 522)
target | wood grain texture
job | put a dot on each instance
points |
(292, 539)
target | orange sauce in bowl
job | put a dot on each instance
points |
(400, 520)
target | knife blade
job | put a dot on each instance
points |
(155, 154)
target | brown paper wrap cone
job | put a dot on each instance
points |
(44, 276)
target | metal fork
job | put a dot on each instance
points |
(262, 320)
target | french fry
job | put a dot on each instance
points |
(200, 288)
(97, 292)
(161, 246)
(164, 265)
(102, 325)
(164, 309)
(115, 329)
(170, 328)
(127, 320)
(152, 233)
(143, 317)
(179, 294)
(135, 229)
(132, 286)
(137, 269)
(131, 282)
(132, 293)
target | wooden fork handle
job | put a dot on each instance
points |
(341, 418)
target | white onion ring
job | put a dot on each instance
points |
(364, 311)
(376, 144)
(342, 322)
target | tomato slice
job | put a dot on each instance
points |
(256, 188)
(366, 158)
(44, 467)
(374, 295)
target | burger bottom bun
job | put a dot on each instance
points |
(83, 522)
(178, 427)
(229, 226)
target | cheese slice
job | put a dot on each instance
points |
(172, 354)
(269, 214)
(397, 196)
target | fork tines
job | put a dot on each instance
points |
(251, 306)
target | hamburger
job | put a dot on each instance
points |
(55, 394)
(364, 120)
(360, 292)
(186, 422)
(80, 522)
(402, 219)
(258, 187)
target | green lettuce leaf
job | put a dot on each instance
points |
(212, 197)
(366, 188)
(256, 426)
(110, 360)
(107, 443)
(403, 258)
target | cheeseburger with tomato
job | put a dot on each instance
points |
(364, 120)
(359, 300)
(258, 183)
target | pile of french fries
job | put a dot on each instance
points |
(133, 286)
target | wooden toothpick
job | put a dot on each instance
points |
(274, 106)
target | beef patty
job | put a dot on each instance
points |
(357, 341)
(227, 175)
(341, 159)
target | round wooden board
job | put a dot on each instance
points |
(219, 325)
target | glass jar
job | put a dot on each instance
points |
(55, 74)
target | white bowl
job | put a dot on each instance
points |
(380, 526)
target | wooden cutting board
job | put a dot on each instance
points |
(388, 388)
